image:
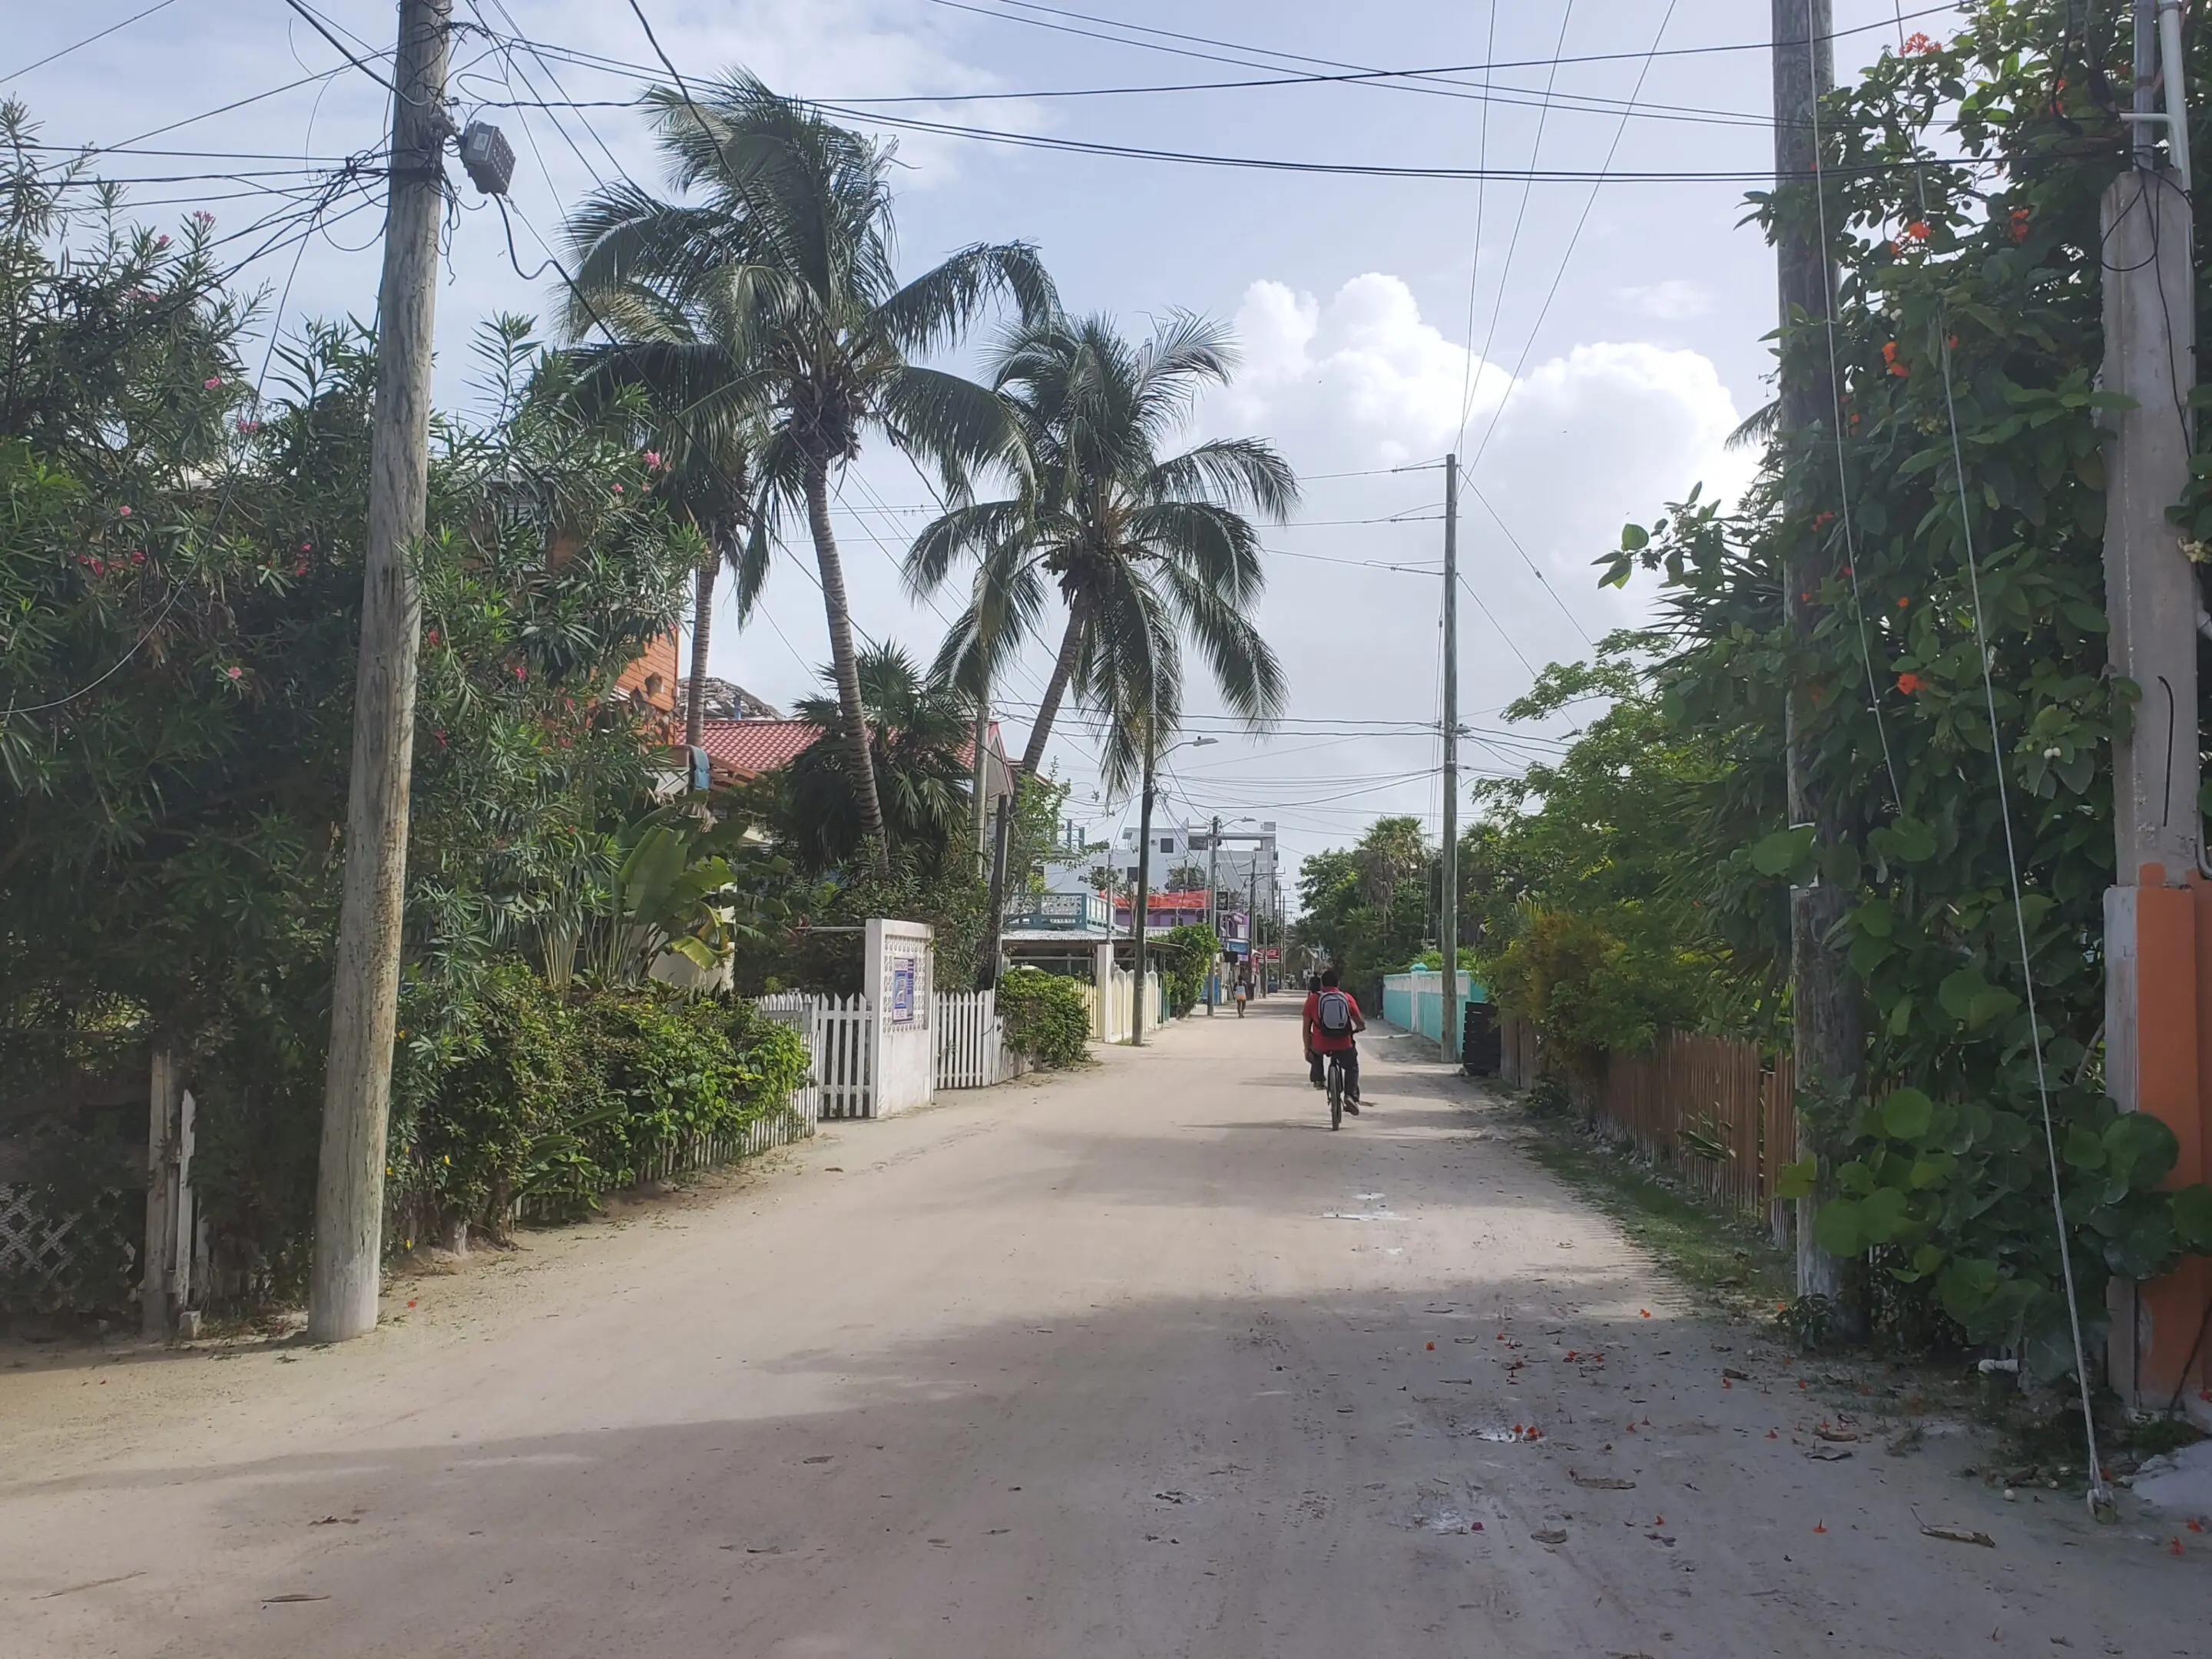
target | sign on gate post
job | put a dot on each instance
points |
(899, 976)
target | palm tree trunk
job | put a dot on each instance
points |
(1063, 670)
(843, 660)
(703, 627)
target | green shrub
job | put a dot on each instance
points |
(1047, 1016)
(1187, 955)
(557, 1096)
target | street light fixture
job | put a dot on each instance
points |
(1137, 917)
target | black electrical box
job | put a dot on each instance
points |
(489, 158)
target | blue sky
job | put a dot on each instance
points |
(1615, 330)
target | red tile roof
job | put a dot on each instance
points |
(748, 748)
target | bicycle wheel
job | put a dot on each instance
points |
(1335, 1095)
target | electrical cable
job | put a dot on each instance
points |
(1527, 62)
(344, 50)
(54, 56)
(1843, 468)
(2099, 1494)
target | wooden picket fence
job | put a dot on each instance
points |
(1718, 1108)
(971, 1041)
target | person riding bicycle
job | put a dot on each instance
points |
(1331, 1025)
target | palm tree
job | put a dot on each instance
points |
(676, 363)
(789, 246)
(918, 735)
(1146, 552)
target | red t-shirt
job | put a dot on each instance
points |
(1323, 1042)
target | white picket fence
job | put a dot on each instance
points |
(971, 1041)
(840, 1033)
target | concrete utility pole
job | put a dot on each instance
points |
(2158, 919)
(1138, 926)
(1213, 910)
(342, 1279)
(1829, 1015)
(1447, 897)
(982, 811)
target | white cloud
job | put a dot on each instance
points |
(1670, 301)
(1602, 433)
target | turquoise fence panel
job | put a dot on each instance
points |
(1415, 1000)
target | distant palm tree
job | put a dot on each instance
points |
(1146, 550)
(676, 363)
(789, 250)
(918, 735)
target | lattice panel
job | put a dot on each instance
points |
(35, 1243)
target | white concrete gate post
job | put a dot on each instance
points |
(899, 976)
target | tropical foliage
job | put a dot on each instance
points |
(1146, 550)
(768, 310)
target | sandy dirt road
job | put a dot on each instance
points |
(1142, 1362)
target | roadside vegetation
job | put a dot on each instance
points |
(182, 504)
(1641, 881)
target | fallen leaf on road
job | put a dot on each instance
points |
(336, 1521)
(1828, 1454)
(1172, 1496)
(276, 1601)
(1958, 1535)
(1553, 1536)
(1601, 1482)
(1730, 1370)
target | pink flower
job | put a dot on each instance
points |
(138, 557)
(211, 382)
(249, 428)
(203, 218)
(521, 673)
(653, 460)
(618, 489)
(122, 512)
(301, 568)
(306, 547)
(161, 241)
(232, 672)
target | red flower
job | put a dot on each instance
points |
(1909, 684)
(2020, 224)
(1821, 520)
(1889, 356)
(1915, 44)
(1918, 230)
(1904, 599)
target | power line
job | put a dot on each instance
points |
(1089, 147)
(77, 45)
(344, 50)
(1356, 69)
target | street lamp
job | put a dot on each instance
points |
(1137, 923)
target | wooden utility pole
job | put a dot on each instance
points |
(342, 1280)
(1448, 897)
(2158, 916)
(1828, 1017)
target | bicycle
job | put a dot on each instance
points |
(1336, 1090)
